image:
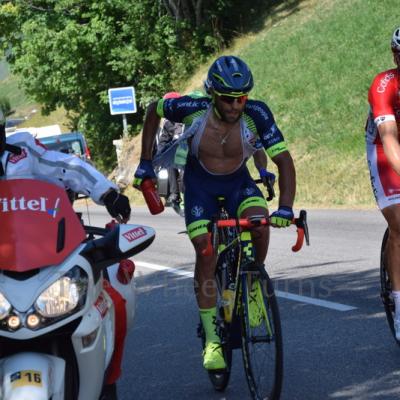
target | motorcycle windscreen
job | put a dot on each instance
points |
(38, 226)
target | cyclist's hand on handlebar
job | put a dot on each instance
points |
(283, 217)
(144, 170)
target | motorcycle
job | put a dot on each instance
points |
(57, 315)
(169, 179)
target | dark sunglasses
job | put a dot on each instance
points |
(231, 99)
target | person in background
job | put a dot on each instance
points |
(170, 131)
(383, 155)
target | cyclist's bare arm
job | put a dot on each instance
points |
(150, 127)
(391, 146)
(287, 178)
(260, 159)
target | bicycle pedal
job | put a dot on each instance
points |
(217, 371)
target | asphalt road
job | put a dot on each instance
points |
(337, 344)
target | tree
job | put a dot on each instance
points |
(68, 53)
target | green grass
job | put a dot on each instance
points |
(314, 69)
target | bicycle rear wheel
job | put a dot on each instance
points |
(262, 347)
(386, 289)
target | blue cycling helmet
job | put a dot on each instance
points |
(230, 75)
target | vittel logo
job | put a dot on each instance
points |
(14, 204)
(134, 234)
(384, 82)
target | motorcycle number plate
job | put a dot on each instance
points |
(26, 378)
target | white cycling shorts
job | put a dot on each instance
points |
(384, 180)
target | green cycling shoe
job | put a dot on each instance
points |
(213, 357)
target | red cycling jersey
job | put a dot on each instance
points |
(384, 99)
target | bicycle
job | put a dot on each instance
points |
(238, 280)
(386, 288)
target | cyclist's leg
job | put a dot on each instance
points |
(386, 188)
(175, 195)
(247, 202)
(199, 206)
(392, 257)
(392, 252)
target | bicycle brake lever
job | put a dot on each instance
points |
(302, 231)
(270, 189)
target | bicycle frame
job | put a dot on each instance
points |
(231, 241)
(244, 263)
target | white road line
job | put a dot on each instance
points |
(156, 267)
(314, 301)
(285, 295)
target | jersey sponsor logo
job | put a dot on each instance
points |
(384, 82)
(192, 104)
(259, 109)
(268, 136)
(197, 211)
(372, 179)
(273, 140)
(250, 137)
(393, 191)
(22, 204)
(134, 234)
(249, 191)
(14, 158)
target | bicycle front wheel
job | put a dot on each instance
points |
(386, 288)
(262, 347)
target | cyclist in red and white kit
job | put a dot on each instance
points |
(383, 154)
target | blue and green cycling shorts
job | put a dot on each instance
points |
(202, 190)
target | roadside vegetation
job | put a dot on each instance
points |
(313, 62)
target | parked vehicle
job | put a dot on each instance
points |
(70, 143)
(57, 320)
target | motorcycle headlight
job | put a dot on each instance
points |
(5, 307)
(64, 295)
(163, 173)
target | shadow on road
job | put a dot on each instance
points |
(328, 354)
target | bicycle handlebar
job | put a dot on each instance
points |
(300, 222)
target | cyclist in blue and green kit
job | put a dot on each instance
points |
(223, 130)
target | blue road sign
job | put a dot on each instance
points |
(122, 100)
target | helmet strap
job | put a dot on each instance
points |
(216, 112)
(396, 56)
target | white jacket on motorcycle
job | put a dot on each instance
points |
(64, 170)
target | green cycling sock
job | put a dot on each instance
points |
(208, 318)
